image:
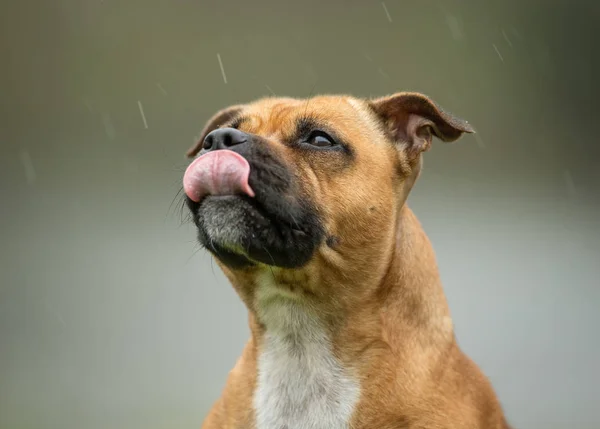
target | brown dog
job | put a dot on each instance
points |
(303, 205)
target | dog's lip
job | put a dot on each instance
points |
(252, 202)
(255, 205)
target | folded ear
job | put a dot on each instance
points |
(412, 118)
(218, 119)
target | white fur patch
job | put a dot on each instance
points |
(300, 385)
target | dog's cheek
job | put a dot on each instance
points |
(364, 213)
(308, 192)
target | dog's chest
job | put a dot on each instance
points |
(300, 384)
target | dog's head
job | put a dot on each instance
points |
(283, 182)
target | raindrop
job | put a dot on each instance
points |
(506, 38)
(569, 181)
(386, 11)
(454, 26)
(498, 52)
(108, 126)
(269, 89)
(142, 113)
(222, 68)
(160, 87)
(30, 174)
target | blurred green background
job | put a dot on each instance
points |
(109, 315)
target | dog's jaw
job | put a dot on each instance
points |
(278, 226)
(225, 221)
(300, 383)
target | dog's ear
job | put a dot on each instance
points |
(213, 123)
(413, 119)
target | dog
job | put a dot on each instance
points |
(303, 205)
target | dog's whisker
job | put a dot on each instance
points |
(194, 253)
(308, 100)
(175, 197)
(212, 267)
(184, 216)
(270, 256)
(271, 271)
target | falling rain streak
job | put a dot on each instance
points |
(269, 89)
(455, 27)
(160, 87)
(142, 113)
(222, 68)
(108, 126)
(498, 52)
(506, 38)
(569, 181)
(387, 13)
(30, 174)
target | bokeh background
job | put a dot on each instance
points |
(110, 317)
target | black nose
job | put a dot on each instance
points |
(223, 138)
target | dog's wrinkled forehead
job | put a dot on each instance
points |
(283, 117)
(408, 118)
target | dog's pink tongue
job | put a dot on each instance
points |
(220, 172)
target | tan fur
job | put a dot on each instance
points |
(378, 291)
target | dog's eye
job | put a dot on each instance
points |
(320, 139)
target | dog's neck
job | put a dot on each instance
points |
(310, 358)
(300, 383)
(404, 290)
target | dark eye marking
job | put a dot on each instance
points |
(305, 125)
(238, 121)
(313, 133)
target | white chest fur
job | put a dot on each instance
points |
(300, 385)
